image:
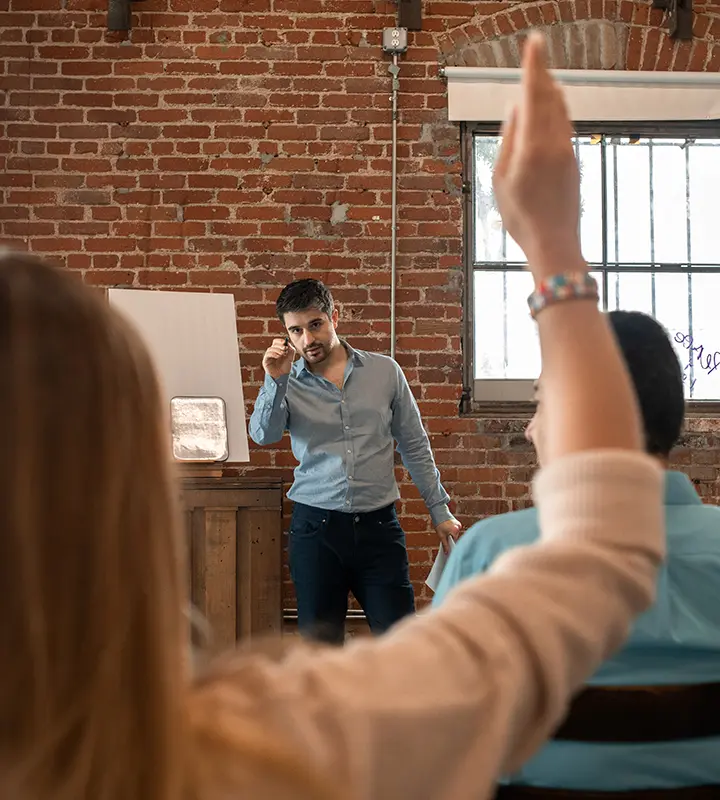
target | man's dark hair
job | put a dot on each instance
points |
(303, 294)
(657, 376)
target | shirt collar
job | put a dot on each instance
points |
(679, 490)
(356, 356)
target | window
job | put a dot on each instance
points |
(650, 229)
(650, 176)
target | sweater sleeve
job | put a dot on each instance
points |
(452, 698)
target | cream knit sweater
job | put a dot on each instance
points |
(449, 699)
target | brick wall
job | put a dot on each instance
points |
(234, 145)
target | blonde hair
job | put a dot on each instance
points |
(96, 696)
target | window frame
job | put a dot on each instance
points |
(503, 400)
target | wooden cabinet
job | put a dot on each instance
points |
(234, 527)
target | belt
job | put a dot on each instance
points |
(537, 793)
(643, 714)
(378, 514)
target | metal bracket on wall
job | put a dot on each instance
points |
(119, 14)
(679, 17)
(410, 14)
(465, 405)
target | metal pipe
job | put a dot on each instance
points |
(393, 69)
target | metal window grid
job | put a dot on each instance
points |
(609, 139)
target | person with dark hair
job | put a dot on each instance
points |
(676, 643)
(657, 376)
(344, 408)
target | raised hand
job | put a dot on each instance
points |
(278, 358)
(537, 181)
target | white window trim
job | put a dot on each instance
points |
(485, 94)
(503, 390)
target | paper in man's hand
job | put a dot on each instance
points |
(433, 579)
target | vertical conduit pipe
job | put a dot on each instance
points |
(393, 69)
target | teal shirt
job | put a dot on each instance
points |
(676, 642)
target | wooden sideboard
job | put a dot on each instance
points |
(234, 528)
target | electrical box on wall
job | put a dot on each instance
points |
(410, 14)
(395, 40)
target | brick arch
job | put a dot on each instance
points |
(589, 44)
(585, 34)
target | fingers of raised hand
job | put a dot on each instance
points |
(274, 353)
(542, 119)
(508, 141)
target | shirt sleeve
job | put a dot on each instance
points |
(454, 697)
(414, 448)
(270, 416)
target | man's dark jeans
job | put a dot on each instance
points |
(333, 553)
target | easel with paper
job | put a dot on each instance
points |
(192, 338)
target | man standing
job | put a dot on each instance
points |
(343, 408)
(676, 643)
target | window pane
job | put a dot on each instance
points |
(684, 304)
(699, 343)
(631, 291)
(669, 202)
(628, 202)
(664, 296)
(506, 343)
(493, 244)
(489, 235)
(506, 340)
(704, 164)
(589, 157)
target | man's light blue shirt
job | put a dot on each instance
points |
(343, 438)
(676, 642)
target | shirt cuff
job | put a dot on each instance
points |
(440, 513)
(272, 385)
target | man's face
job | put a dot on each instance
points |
(534, 430)
(312, 333)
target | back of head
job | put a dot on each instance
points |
(91, 630)
(656, 375)
(303, 294)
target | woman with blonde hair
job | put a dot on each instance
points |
(97, 696)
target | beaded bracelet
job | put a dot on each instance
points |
(570, 286)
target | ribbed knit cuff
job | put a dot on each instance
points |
(596, 493)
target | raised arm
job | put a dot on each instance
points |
(445, 702)
(587, 391)
(270, 416)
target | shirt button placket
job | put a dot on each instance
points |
(348, 443)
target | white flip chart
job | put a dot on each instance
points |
(192, 337)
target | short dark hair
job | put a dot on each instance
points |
(303, 294)
(657, 376)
